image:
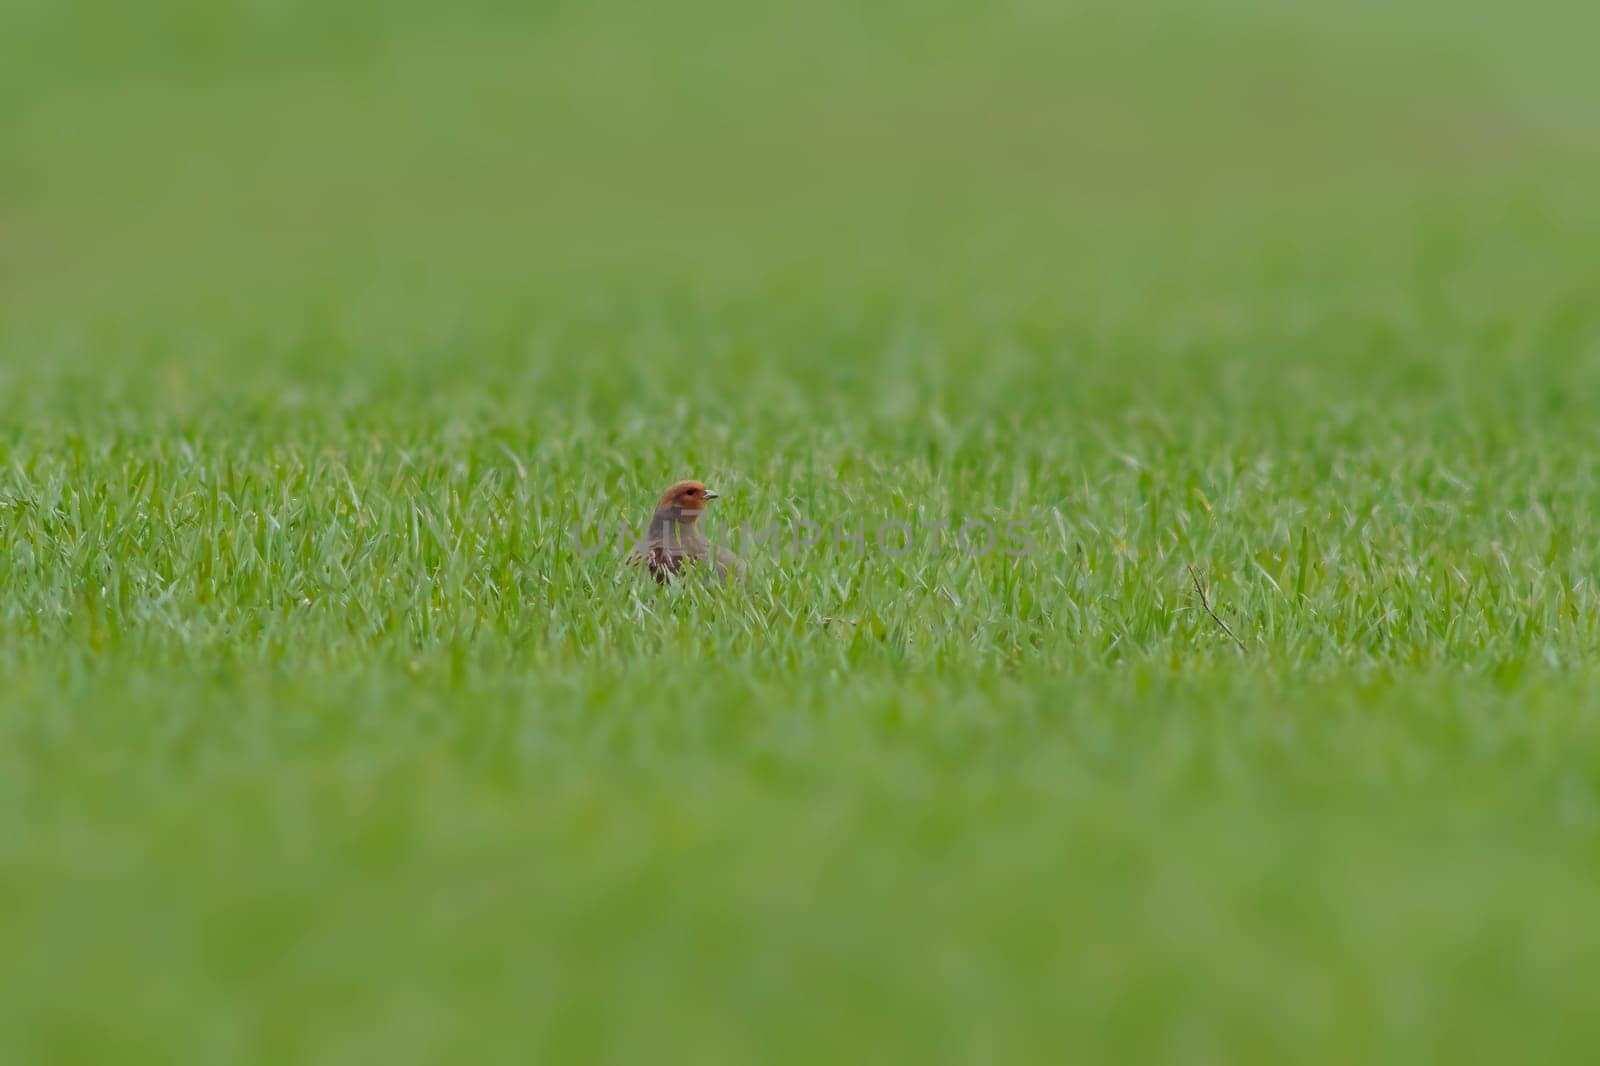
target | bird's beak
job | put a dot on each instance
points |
(710, 495)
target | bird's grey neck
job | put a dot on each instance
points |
(669, 523)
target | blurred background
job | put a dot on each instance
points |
(594, 199)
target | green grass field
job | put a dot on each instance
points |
(322, 326)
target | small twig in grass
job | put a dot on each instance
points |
(1205, 605)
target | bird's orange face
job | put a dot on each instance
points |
(687, 499)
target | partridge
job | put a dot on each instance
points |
(673, 538)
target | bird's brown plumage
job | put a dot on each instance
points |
(673, 538)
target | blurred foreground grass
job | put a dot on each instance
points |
(322, 325)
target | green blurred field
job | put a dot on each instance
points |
(321, 325)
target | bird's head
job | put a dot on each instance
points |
(685, 501)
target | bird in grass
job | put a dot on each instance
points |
(674, 540)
